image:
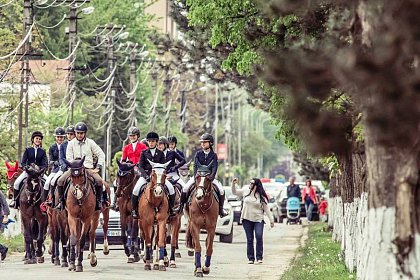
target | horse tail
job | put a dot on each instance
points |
(188, 238)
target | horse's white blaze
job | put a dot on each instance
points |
(201, 184)
(158, 190)
(34, 183)
(200, 193)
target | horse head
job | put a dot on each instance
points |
(12, 173)
(77, 170)
(157, 177)
(202, 183)
(184, 170)
(125, 176)
(33, 183)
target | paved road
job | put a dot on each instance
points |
(228, 262)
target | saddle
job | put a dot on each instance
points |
(216, 193)
(67, 184)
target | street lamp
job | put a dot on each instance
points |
(41, 2)
(123, 35)
(87, 10)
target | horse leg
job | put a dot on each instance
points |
(92, 235)
(64, 248)
(124, 228)
(56, 248)
(134, 242)
(27, 233)
(105, 214)
(209, 250)
(85, 226)
(195, 232)
(73, 242)
(174, 240)
(177, 229)
(42, 226)
(161, 241)
(147, 239)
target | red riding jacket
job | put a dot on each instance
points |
(133, 155)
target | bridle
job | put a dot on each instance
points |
(122, 188)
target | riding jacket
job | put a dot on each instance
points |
(88, 148)
(133, 154)
(203, 159)
(172, 156)
(179, 152)
(63, 149)
(54, 157)
(144, 166)
(34, 155)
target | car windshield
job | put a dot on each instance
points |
(229, 195)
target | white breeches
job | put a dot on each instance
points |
(215, 182)
(142, 181)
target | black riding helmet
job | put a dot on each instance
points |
(163, 140)
(81, 127)
(70, 129)
(59, 131)
(133, 131)
(152, 136)
(172, 139)
(36, 134)
(207, 137)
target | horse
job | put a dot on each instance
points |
(31, 214)
(59, 231)
(82, 216)
(203, 213)
(126, 180)
(154, 208)
(12, 173)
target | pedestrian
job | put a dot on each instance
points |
(4, 217)
(309, 198)
(255, 201)
(293, 190)
(323, 205)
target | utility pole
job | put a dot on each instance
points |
(183, 110)
(216, 119)
(133, 73)
(111, 60)
(25, 74)
(167, 93)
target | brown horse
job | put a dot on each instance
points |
(154, 210)
(30, 200)
(12, 173)
(81, 214)
(126, 180)
(59, 231)
(203, 213)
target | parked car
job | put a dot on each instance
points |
(235, 202)
(281, 202)
(224, 226)
(114, 228)
(273, 190)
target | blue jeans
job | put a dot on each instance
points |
(250, 228)
(309, 207)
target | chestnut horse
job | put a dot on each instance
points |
(126, 180)
(59, 231)
(30, 212)
(12, 173)
(80, 204)
(203, 213)
(154, 210)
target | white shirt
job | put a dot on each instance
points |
(253, 210)
(153, 151)
(134, 145)
(87, 148)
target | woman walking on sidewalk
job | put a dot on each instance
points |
(309, 198)
(255, 202)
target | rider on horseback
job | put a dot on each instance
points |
(172, 145)
(81, 147)
(156, 156)
(205, 157)
(176, 162)
(34, 154)
(54, 157)
(131, 153)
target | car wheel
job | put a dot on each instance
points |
(227, 238)
(280, 219)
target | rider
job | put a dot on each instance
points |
(176, 162)
(131, 153)
(204, 157)
(63, 166)
(34, 154)
(54, 156)
(80, 147)
(145, 169)
(172, 145)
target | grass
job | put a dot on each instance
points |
(15, 244)
(320, 258)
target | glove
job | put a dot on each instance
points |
(147, 178)
(172, 169)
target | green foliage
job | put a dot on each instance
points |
(332, 163)
(320, 258)
(15, 244)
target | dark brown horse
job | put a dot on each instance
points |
(81, 214)
(30, 201)
(203, 213)
(154, 210)
(12, 173)
(126, 180)
(59, 232)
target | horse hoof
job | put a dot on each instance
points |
(173, 264)
(79, 268)
(162, 268)
(30, 261)
(94, 264)
(57, 262)
(52, 259)
(177, 255)
(72, 267)
(64, 264)
(40, 259)
(155, 266)
(106, 253)
(93, 260)
(206, 270)
(147, 267)
(130, 259)
(199, 274)
(136, 258)
(88, 256)
(190, 253)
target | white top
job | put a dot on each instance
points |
(253, 210)
(134, 145)
(88, 148)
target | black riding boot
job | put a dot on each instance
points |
(171, 203)
(105, 198)
(135, 203)
(61, 200)
(98, 190)
(44, 195)
(15, 202)
(114, 205)
(222, 212)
